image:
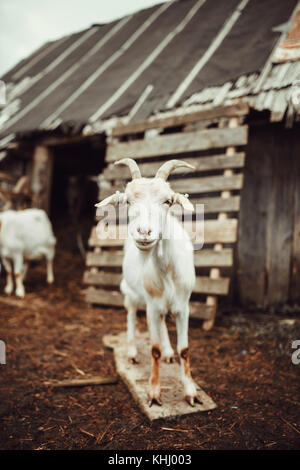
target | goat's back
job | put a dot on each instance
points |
(25, 230)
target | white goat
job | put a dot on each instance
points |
(158, 269)
(25, 235)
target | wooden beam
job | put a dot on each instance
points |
(218, 204)
(105, 242)
(208, 184)
(64, 140)
(104, 297)
(192, 185)
(199, 310)
(115, 299)
(212, 205)
(208, 285)
(148, 170)
(239, 109)
(215, 231)
(104, 259)
(102, 278)
(172, 144)
(204, 285)
(202, 258)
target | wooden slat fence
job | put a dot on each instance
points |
(217, 153)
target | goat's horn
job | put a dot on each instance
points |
(113, 199)
(132, 165)
(170, 166)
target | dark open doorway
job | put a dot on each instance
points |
(74, 190)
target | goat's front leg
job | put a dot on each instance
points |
(24, 273)
(9, 287)
(189, 387)
(167, 350)
(19, 269)
(154, 321)
(131, 320)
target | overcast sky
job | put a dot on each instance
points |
(27, 24)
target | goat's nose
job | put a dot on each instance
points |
(143, 231)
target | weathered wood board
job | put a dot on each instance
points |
(238, 109)
(136, 377)
(209, 184)
(213, 162)
(178, 143)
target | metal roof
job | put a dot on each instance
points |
(176, 54)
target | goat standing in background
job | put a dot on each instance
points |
(25, 235)
(158, 269)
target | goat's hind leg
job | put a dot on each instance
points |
(154, 391)
(167, 350)
(9, 287)
(19, 270)
(131, 323)
(189, 386)
(49, 265)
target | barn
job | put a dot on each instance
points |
(214, 83)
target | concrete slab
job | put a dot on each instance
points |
(136, 377)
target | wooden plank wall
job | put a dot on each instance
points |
(269, 223)
(212, 142)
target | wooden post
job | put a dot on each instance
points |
(295, 265)
(215, 273)
(41, 177)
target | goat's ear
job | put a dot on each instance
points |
(117, 198)
(183, 201)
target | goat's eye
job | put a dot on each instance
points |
(168, 202)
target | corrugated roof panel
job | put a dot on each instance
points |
(247, 46)
(7, 77)
(73, 81)
(171, 66)
(48, 89)
(51, 103)
(129, 62)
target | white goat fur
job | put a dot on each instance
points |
(25, 235)
(158, 273)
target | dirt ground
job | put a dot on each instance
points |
(244, 364)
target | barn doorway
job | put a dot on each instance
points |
(74, 191)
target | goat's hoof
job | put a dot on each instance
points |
(154, 396)
(8, 290)
(156, 401)
(133, 360)
(20, 293)
(50, 281)
(169, 359)
(192, 400)
(208, 324)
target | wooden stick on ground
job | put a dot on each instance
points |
(84, 382)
